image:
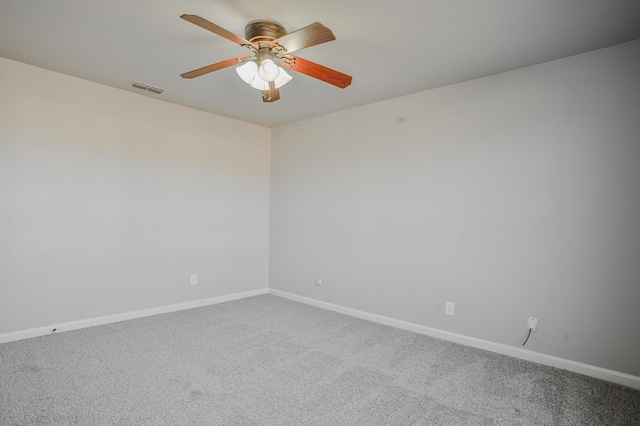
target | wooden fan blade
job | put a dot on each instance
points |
(210, 26)
(213, 67)
(272, 94)
(308, 36)
(317, 71)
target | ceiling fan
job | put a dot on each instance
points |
(271, 46)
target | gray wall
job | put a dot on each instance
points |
(110, 200)
(512, 195)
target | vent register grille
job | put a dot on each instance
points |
(146, 87)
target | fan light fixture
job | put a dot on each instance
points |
(271, 46)
(259, 77)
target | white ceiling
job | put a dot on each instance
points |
(391, 48)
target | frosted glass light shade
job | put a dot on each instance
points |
(248, 72)
(282, 79)
(268, 70)
(259, 83)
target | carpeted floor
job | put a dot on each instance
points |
(271, 361)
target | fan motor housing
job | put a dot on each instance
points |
(263, 31)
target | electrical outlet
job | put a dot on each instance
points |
(194, 279)
(448, 308)
(532, 323)
(318, 282)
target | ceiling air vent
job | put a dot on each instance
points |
(146, 87)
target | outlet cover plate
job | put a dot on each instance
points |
(448, 308)
(532, 323)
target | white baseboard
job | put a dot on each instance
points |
(75, 325)
(550, 360)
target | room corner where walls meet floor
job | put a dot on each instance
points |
(515, 352)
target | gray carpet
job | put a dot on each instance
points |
(271, 361)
